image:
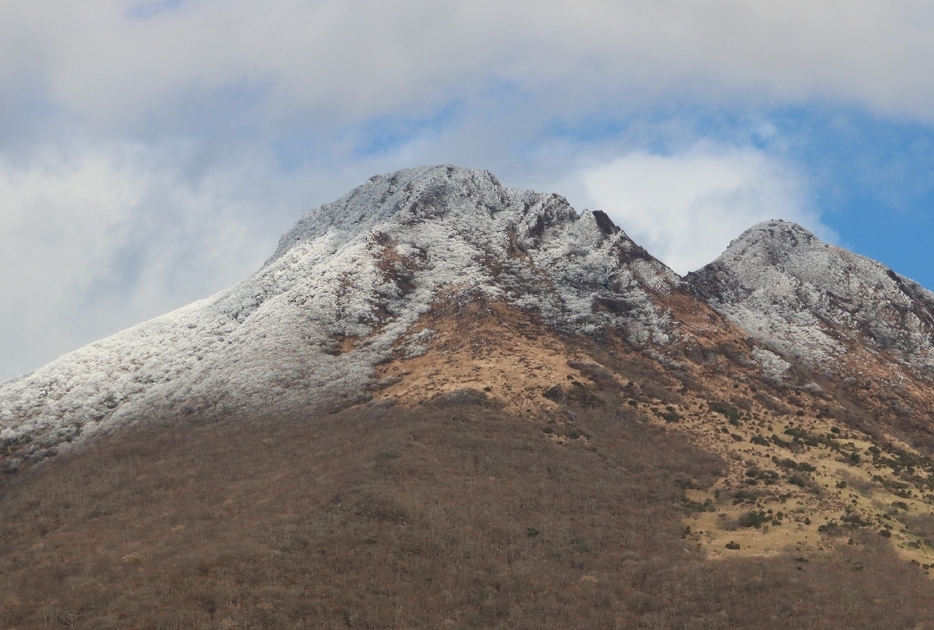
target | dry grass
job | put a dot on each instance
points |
(453, 515)
(483, 345)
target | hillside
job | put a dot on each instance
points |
(445, 403)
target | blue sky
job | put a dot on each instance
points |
(151, 153)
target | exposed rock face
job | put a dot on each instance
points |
(815, 302)
(338, 297)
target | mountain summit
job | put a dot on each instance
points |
(817, 302)
(341, 295)
(353, 285)
(446, 403)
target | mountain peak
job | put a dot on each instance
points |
(432, 326)
(774, 236)
(436, 288)
(816, 302)
(405, 196)
(346, 291)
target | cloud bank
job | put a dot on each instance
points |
(347, 60)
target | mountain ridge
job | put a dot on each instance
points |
(337, 280)
(434, 355)
(351, 277)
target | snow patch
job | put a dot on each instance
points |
(774, 368)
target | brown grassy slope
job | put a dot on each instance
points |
(454, 514)
(790, 453)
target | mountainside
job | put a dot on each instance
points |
(851, 320)
(338, 296)
(436, 366)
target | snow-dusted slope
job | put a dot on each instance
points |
(813, 301)
(338, 296)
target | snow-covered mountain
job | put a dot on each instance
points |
(815, 302)
(344, 290)
(338, 297)
(804, 368)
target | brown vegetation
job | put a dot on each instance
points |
(785, 458)
(455, 514)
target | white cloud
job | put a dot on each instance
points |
(58, 224)
(102, 239)
(356, 58)
(686, 208)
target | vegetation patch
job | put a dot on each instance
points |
(727, 411)
(753, 518)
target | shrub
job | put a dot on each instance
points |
(753, 518)
(854, 518)
(831, 528)
(671, 416)
(745, 496)
(795, 480)
(730, 413)
(132, 558)
(780, 442)
(696, 506)
(754, 475)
